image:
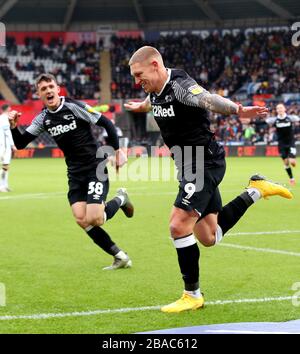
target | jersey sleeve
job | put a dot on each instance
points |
(188, 92)
(295, 118)
(83, 111)
(37, 127)
(271, 120)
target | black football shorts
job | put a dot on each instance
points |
(287, 151)
(86, 187)
(206, 201)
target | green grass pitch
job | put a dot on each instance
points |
(49, 265)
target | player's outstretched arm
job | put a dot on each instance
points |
(217, 103)
(20, 140)
(144, 106)
(252, 111)
(222, 105)
(196, 95)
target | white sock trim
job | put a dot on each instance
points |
(254, 193)
(89, 228)
(218, 234)
(122, 198)
(184, 241)
(121, 254)
(194, 293)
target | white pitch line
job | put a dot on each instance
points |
(58, 194)
(43, 316)
(275, 232)
(32, 196)
(257, 249)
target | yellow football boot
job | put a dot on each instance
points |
(186, 302)
(267, 188)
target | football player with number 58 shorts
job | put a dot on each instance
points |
(68, 122)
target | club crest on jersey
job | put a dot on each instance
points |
(61, 129)
(158, 111)
(68, 116)
(195, 89)
(48, 122)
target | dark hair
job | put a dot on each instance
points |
(5, 107)
(44, 77)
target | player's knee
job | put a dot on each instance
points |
(82, 222)
(177, 228)
(209, 241)
(96, 220)
(206, 238)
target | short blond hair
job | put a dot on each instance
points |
(145, 53)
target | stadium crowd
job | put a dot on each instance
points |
(232, 131)
(75, 66)
(263, 63)
(220, 64)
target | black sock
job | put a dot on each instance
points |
(233, 211)
(289, 172)
(112, 207)
(188, 259)
(102, 239)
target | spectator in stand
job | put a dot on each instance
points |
(249, 134)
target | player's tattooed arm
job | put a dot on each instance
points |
(217, 103)
(197, 96)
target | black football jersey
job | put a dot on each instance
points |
(69, 126)
(176, 110)
(284, 129)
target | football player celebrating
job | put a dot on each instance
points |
(68, 122)
(180, 107)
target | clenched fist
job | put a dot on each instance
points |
(13, 117)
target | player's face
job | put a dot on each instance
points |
(280, 109)
(48, 92)
(145, 75)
